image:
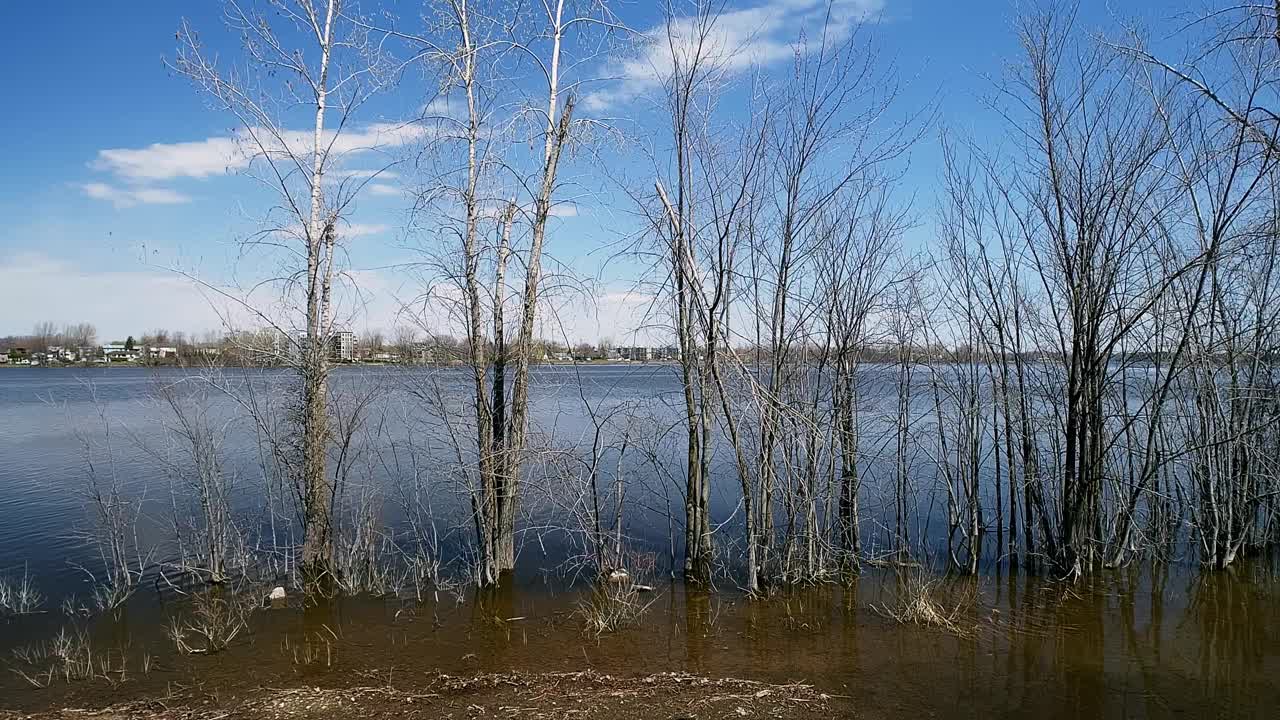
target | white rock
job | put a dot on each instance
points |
(277, 594)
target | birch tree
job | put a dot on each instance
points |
(494, 203)
(299, 58)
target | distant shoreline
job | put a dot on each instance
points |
(373, 363)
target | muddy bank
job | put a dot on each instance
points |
(583, 695)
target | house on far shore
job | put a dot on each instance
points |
(648, 354)
(635, 354)
(116, 352)
(58, 352)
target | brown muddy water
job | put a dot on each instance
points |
(1142, 642)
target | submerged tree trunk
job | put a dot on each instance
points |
(507, 491)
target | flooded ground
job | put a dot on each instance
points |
(1144, 642)
(1149, 640)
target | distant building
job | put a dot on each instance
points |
(636, 354)
(281, 345)
(432, 353)
(646, 354)
(116, 352)
(342, 346)
(63, 353)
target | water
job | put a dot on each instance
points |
(1145, 641)
(1133, 644)
(53, 422)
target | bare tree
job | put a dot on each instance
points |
(114, 507)
(331, 74)
(861, 232)
(80, 335)
(1091, 216)
(476, 49)
(196, 464)
(689, 88)
(44, 335)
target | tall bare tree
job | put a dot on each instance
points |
(488, 184)
(297, 54)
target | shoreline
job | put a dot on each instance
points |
(1011, 645)
(583, 694)
(174, 366)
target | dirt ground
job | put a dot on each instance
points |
(551, 696)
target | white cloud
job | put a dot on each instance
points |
(36, 287)
(441, 107)
(128, 197)
(354, 230)
(389, 297)
(166, 161)
(383, 189)
(363, 174)
(737, 40)
(623, 316)
(216, 155)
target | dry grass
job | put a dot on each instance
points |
(19, 596)
(615, 605)
(932, 602)
(215, 620)
(314, 649)
(71, 657)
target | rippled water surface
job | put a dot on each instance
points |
(1145, 641)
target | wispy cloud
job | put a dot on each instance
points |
(117, 302)
(218, 155)
(135, 170)
(354, 230)
(128, 197)
(757, 36)
(363, 174)
(383, 189)
(166, 161)
(442, 107)
(124, 302)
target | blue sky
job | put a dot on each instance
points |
(88, 238)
